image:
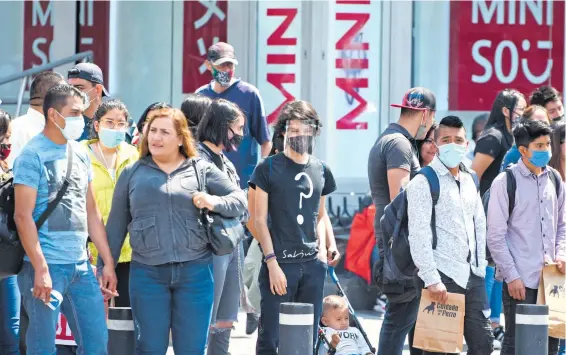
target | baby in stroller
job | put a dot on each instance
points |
(337, 331)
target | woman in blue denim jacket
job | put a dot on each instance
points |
(157, 200)
(222, 129)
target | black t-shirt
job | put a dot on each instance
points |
(293, 216)
(495, 142)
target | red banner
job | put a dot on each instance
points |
(503, 44)
(93, 31)
(205, 23)
(38, 32)
(63, 335)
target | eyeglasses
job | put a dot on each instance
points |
(113, 124)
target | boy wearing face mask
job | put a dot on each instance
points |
(536, 225)
(457, 265)
(221, 62)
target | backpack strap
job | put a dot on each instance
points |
(476, 179)
(555, 179)
(511, 187)
(434, 184)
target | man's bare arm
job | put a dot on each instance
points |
(25, 198)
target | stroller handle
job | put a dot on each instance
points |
(333, 275)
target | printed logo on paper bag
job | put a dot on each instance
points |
(443, 310)
(557, 291)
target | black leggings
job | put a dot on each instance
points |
(123, 275)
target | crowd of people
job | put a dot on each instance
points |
(487, 246)
(137, 201)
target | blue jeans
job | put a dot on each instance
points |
(82, 305)
(399, 319)
(305, 284)
(494, 290)
(174, 297)
(9, 316)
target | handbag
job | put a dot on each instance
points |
(11, 249)
(224, 233)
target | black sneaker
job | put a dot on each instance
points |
(252, 322)
(498, 334)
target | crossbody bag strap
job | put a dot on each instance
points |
(53, 203)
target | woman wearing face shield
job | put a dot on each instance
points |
(109, 155)
(222, 129)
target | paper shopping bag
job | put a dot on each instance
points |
(440, 327)
(552, 292)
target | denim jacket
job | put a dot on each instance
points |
(158, 212)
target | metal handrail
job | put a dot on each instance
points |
(36, 70)
(47, 66)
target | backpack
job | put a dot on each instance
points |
(398, 266)
(555, 179)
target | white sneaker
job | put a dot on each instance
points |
(496, 344)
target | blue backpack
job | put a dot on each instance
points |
(398, 266)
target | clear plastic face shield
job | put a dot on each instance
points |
(300, 137)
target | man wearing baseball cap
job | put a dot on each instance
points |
(393, 161)
(221, 62)
(88, 78)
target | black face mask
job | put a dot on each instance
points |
(234, 142)
(301, 144)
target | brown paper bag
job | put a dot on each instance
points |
(440, 327)
(552, 292)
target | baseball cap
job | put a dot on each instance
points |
(90, 72)
(220, 53)
(418, 98)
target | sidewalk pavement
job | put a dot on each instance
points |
(242, 344)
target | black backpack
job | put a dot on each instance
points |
(512, 186)
(398, 266)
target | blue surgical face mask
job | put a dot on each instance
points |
(540, 158)
(111, 138)
(451, 154)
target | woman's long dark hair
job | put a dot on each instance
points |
(505, 98)
(215, 123)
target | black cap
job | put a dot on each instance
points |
(220, 53)
(418, 98)
(90, 72)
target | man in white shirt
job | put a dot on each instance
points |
(25, 127)
(457, 264)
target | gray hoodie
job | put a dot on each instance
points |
(158, 212)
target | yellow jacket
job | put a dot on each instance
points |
(104, 188)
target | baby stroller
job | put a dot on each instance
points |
(354, 322)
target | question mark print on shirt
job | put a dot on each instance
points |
(300, 218)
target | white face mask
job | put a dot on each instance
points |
(451, 154)
(74, 127)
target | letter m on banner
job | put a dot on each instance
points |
(288, 59)
(351, 85)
